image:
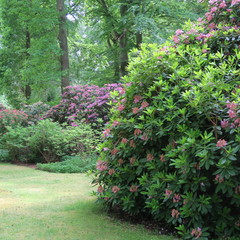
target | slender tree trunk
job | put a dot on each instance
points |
(63, 43)
(139, 39)
(123, 58)
(28, 90)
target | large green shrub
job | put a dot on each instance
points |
(48, 141)
(172, 147)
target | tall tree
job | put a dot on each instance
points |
(125, 24)
(29, 66)
(63, 42)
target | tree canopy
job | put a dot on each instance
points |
(39, 39)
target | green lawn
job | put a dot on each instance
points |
(36, 205)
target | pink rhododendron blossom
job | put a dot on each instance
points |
(179, 32)
(237, 190)
(232, 105)
(232, 114)
(100, 189)
(175, 213)
(196, 233)
(212, 25)
(222, 4)
(237, 122)
(121, 107)
(144, 104)
(221, 143)
(219, 179)
(137, 132)
(137, 99)
(111, 171)
(105, 149)
(124, 140)
(135, 110)
(115, 123)
(213, 9)
(168, 193)
(224, 123)
(144, 137)
(162, 158)
(237, 223)
(133, 188)
(150, 157)
(107, 132)
(115, 189)
(132, 144)
(176, 198)
(114, 151)
(176, 39)
(234, 2)
(101, 165)
(120, 161)
(132, 160)
(209, 16)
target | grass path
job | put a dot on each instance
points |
(36, 205)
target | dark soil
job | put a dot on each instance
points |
(150, 224)
(26, 165)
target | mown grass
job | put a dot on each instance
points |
(39, 205)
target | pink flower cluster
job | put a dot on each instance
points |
(196, 233)
(168, 193)
(111, 171)
(115, 189)
(219, 179)
(100, 189)
(150, 157)
(102, 165)
(132, 160)
(221, 143)
(133, 188)
(175, 213)
(176, 198)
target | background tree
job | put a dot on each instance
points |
(120, 25)
(63, 43)
(29, 50)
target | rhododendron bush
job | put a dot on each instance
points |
(171, 149)
(11, 118)
(88, 103)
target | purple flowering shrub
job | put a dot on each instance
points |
(88, 103)
(171, 149)
(219, 28)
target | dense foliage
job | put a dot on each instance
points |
(11, 118)
(70, 164)
(48, 142)
(171, 148)
(88, 103)
(35, 111)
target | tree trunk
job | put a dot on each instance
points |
(139, 40)
(123, 58)
(28, 90)
(63, 43)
